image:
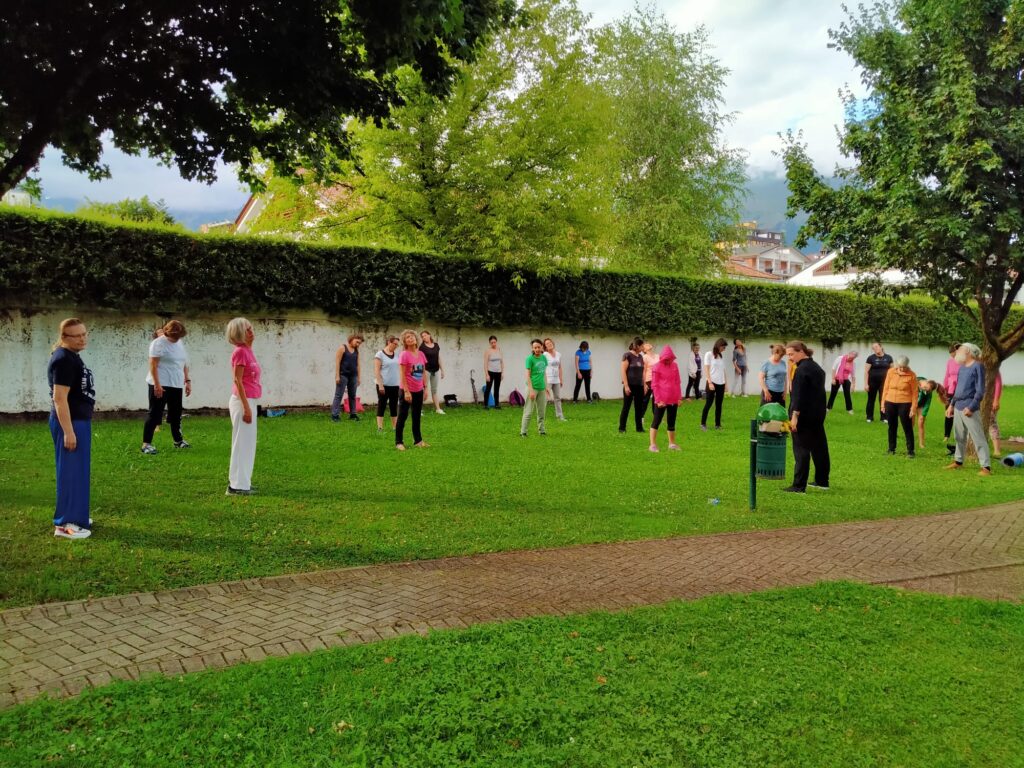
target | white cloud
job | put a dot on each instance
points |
(782, 75)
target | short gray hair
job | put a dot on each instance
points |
(972, 348)
(235, 332)
(902, 361)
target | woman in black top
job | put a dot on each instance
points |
(432, 351)
(876, 368)
(633, 385)
(346, 376)
(73, 395)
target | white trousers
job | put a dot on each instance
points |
(243, 445)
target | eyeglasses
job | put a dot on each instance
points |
(76, 335)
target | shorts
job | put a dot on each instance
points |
(433, 382)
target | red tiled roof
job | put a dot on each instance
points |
(742, 270)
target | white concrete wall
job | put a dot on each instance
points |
(297, 355)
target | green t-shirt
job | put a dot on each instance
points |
(924, 399)
(536, 366)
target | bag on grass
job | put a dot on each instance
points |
(359, 405)
(515, 397)
(451, 401)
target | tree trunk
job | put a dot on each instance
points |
(990, 359)
(25, 157)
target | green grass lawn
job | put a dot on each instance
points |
(335, 495)
(831, 675)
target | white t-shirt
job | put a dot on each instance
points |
(390, 370)
(554, 367)
(714, 368)
(171, 366)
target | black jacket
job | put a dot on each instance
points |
(808, 396)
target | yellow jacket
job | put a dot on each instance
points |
(900, 386)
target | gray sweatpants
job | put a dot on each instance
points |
(538, 404)
(970, 426)
(556, 398)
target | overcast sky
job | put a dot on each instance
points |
(782, 75)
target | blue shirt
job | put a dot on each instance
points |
(583, 359)
(775, 375)
(970, 387)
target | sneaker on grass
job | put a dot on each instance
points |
(149, 449)
(71, 531)
(183, 443)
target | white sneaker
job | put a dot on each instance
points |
(71, 531)
(440, 412)
(149, 449)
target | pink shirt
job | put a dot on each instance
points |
(250, 373)
(844, 369)
(416, 363)
(952, 371)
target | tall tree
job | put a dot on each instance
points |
(558, 146)
(677, 188)
(509, 167)
(936, 186)
(252, 82)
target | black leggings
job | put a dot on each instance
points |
(493, 385)
(388, 398)
(659, 412)
(948, 428)
(636, 399)
(172, 400)
(875, 384)
(584, 379)
(416, 406)
(715, 396)
(694, 384)
(846, 394)
(775, 397)
(901, 410)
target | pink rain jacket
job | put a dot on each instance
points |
(665, 381)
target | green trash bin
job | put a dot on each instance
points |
(771, 446)
(771, 455)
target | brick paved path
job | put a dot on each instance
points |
(65, 647)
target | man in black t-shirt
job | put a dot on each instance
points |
(876, 368)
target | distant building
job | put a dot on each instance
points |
(225, 227)
(822, 273)
(740, 271)
(763, 255)
(16, 197)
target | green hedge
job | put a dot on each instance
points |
(48, 258)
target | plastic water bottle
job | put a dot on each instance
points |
(714, 501)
